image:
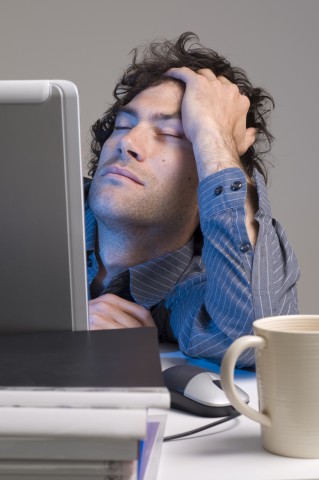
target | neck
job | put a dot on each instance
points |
(122, 248)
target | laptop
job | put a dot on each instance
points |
(42, 240)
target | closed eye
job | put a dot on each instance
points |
(120, 127)
(174, 135)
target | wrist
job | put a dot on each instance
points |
(214, 152)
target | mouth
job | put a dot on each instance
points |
(121, 172)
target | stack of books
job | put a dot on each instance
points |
(75, 404)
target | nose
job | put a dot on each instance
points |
(131, 146)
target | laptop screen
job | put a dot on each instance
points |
(42, 249)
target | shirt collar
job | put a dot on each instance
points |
(151, 281)
(90, 221)
(263, 199)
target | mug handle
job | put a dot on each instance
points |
(227, 376)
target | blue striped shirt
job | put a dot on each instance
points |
(206, 302)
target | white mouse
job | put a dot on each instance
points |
(198, 391)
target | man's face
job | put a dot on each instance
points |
(147, 173)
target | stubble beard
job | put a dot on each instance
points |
(120, 209)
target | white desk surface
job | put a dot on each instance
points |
(231, 451)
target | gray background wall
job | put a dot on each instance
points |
(275, 41)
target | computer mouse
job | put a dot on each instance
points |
(198, 391)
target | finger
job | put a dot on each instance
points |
(126, 320)
(184, 74)
(147, 320)
(227, 82)
(112, 313)
(98, 322)
(207, 72)
(224, 80)
(133, 309)
(109, 304)
(110, 319)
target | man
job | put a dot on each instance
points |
(179, 227)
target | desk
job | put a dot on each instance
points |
(226, 452)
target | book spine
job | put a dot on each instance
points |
(108, 469)
(82, 398)
(70, 449)
(73, 422)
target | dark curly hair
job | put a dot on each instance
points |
(147, 69)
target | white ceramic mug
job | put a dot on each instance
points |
(287, 370)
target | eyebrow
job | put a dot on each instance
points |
(155, 116)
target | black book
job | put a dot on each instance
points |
(104, 368)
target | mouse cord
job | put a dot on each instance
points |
(200, 429)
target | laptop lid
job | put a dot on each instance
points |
(42, 241)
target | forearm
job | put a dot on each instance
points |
(241, 283)
(228, 258)
(214, 154)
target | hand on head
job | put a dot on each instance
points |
(214, 106)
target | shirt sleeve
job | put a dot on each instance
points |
(239, 284)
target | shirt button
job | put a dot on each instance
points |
(218, 190)
(236, 186)
(244, 247)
